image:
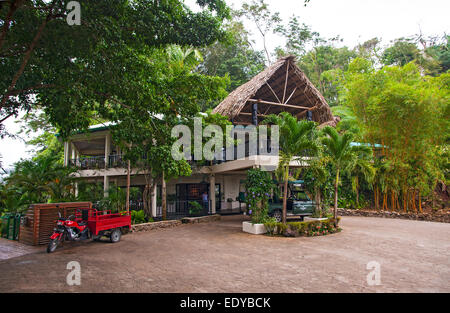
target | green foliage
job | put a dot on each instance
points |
(115, 201)
(406, 112)
(258, 186)
(37, 181)
(344, 156)
(258, 12)
(137, 217)
(195, 208)
(88, 70)
(297, 140)
(324, 65)
(309, 228)
(234, 58)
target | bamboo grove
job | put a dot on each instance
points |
(403, 114)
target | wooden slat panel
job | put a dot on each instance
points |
(41, 220)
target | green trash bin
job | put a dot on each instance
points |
(11, 225)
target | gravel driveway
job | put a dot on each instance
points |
(218, 257)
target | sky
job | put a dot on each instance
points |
(353, 20)
(357, 21)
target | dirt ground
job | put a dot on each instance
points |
(218, 257)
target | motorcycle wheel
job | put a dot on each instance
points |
(52, 245)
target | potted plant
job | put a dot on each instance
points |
(258, 185)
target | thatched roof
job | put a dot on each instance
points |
(280, 87)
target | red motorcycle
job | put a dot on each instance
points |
(68, 229)
(89, 223)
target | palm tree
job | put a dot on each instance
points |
(343, 155)
(362, 169)
(297, 140)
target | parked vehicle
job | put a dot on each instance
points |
(87, 224)
(299, 204)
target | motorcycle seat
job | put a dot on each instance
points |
(82, 223)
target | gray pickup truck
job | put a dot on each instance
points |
(299, 204)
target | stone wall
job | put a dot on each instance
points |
(173, 223)
(201, 219)
(437, 217)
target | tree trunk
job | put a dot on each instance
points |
(420, 203)
(164, 197)
(128, 187)
(286, 177)
(336, 195)
(357, 198)
(146, 200)
(377, 200)
(317, 196)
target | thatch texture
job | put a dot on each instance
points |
(280, 87)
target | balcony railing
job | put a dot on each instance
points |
(88, 163)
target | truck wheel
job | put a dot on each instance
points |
(115, 235)
(278, 216)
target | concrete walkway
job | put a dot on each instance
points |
(12, 249)
(218, 257)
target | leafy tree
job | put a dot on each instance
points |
(441, 53)
(343, 156)
(404, 51)
(297, 140)
(297, 37)
(235, 58)
(75, 72)
(144, 133)
(38, 181)
(362, 169)
(317, 177)
(324, 65)
(265, 21)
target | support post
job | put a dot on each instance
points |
(66, 153)
(154, 196)
(212, 193)
(107, 149)
(255, 113)
(105, 186)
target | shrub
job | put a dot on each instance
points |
(137, 217)
(301, 228)
(271, 225)
(294, 229)
(195, 208)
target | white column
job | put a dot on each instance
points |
(154, 197)
(107, 149)
(105, 186)
(66, 153)
(212, 193)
